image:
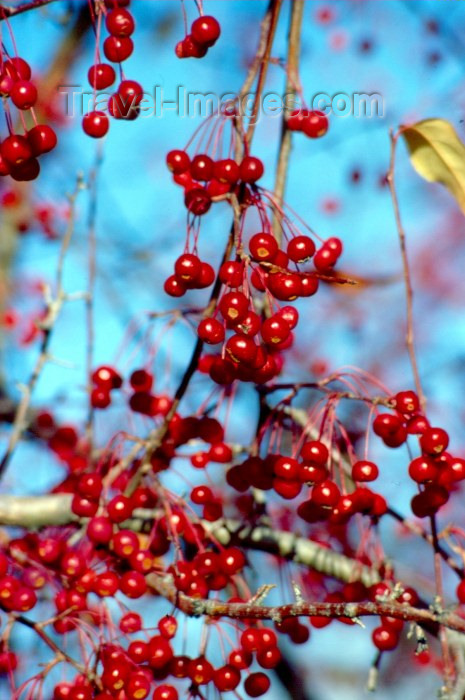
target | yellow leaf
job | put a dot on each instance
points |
(438, 155)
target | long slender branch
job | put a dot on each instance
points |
(6, 12)
(35, 512)
(54, 305)
(264, 61)
(251, 610)
(410, 342)
(293, 55)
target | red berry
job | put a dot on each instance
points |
(211, 331)
(198, 201)
(263, 247)
(251, 169)
(165, 692)
(314, 451)
(241, 348)
(295, 121)
(326, 494)
(364, 470)
(178, 161)
(174, 286)
(257, 684)
(141, 380)
(385, 638)
(274, 330)
(100, 397)
(101, 76)
(25, 171)
(190, 48)
(286, 468)
(226, 678)
(187, 267)
(133, 584)
(106, 377)
(423, 469)
(120, 22)
(201, 167)
(16, 149)
(206, 277)
(231, 273)
(42, 139)
(205, 30)
(460, 592)
(23, 94)
(200, 671)
(17, 68)
(137, 686)
(434, 441)
(95, 124)
(119, 508)
(315, 124)
(117, 49)
(232, 560)
(226, 171)
(234, 306)
(406, 402)
(300, 249)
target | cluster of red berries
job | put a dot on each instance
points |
(312, 123)
(19, 154)
(205, 31)
(117, 47)
(104, 380)
(435, 470)
(208, 571)
(189, 273)
(287, 476)
(219, 177)
(242, 357)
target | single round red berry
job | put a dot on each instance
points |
(117, 49)
(434, 441)
(101, 76)
(174, 286)
(205, 30)
(42, 139)
(178, 161)
(300, 249)
(257, 684)
(315, 124)
(120, 22)
(263, 247)
(16, 149)
(226, 171)
(251, 169)
(211, 331)
(201, 167)
(95, 124)
(385, 638)
(23, 94)
(363, 470)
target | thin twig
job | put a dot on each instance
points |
(293, 55)
(406, 268)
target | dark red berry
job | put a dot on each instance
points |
(95, 124)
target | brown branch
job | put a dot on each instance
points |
(264, 62)
(196, 607)
(6, 12)
(54, 305)
(293, 55)
(410, 342)
(35, 512)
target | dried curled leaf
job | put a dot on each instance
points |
(438, 155)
